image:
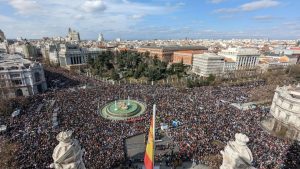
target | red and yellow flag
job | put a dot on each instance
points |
(149, 155)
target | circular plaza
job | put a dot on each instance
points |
(122, 109)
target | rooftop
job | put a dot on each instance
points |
(229, 59)
(9, 62)
(189, 51)
(292, 91)
(177, 48)
(209, 56)
(242, 51)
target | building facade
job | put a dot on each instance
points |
(208, 64)
(3, 43)
(4, 47)
(100, 38)
(71, 55)
(26, 49)
(286, 112)
(73, 36)
(274, 62)
(186, 57)
(20, 77)
(244, 58)
(166, 53)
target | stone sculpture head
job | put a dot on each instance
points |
(241, 139)
(64, 136)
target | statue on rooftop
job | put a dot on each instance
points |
(236, 154)
(68, 153)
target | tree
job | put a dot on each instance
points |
(190, 83)
(211, 78)
(154, 73)
(114, 75)
(140, 69)
(5, 107)
(90, 61)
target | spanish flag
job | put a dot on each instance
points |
(149, 155)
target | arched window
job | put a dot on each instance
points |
(19, 92)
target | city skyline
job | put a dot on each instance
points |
(153, 19)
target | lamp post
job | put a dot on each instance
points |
(128, 101)
(116, 106)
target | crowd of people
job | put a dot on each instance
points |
(207, 123)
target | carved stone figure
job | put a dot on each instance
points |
(68, 153)
(236, 154)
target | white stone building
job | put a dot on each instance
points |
(286, 112)
(3, 43)
(73, 55)
(73, 36)
(4, 47)
(20, 77)
(244, 58)
(51, 52)
(26, 49)
(208, 63)
(100, 38)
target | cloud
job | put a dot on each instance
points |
(216, 1)
(95, 16)
(264, 18)
(79, 17)
(24, 6)
(261, 4)
(251, 6)
(4, 18)
(227, 10)
(137, 16)
(179, 4)
(93, 5)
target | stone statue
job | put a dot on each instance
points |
(236, 154)
(68, 153)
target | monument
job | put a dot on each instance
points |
(122, 109)
(236, 154)
(68, 153)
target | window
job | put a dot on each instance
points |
(17, 82)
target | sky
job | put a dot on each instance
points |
(151, 19)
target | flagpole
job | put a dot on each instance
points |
(154, 114)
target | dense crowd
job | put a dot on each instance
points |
(207, 123)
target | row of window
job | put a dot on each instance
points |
(76, 60)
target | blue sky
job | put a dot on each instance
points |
(152, 19)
